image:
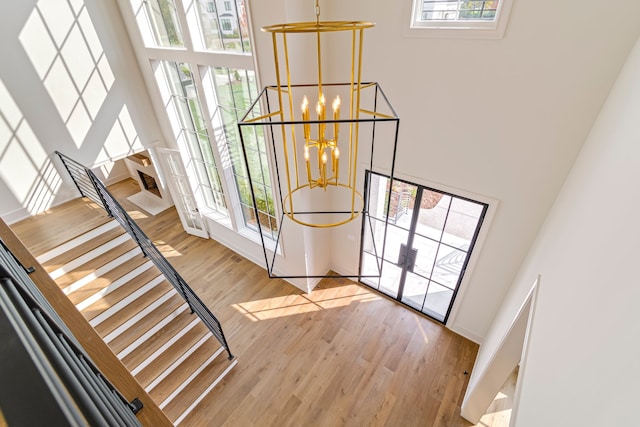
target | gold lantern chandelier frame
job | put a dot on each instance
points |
(321, 153)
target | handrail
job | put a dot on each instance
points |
(82, 175)
(47, 365)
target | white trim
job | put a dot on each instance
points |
(525, 350)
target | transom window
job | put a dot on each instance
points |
(462, 17)
(453, 10)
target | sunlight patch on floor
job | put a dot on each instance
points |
(290, 305)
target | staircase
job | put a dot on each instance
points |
(141, 316)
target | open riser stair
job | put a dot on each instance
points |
(140, 315)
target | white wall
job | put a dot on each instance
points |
(580, 369)
(68, 82)
(501, 118)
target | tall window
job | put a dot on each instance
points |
(204, 95)
(183, 101)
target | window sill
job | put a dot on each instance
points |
(450, 32)
(246, 232)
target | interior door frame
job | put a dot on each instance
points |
(163, 153)
(480, 230)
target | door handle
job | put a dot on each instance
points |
(407, 257)
(411, 259)
(402, 256)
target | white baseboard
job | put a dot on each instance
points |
(115, 179)
(470, 335)
(22, 213)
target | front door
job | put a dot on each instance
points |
(423, 252)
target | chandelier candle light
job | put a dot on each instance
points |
(322, 143)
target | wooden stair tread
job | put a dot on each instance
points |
(197, 386)
(82, 249)
(41, 235)
(156, 341)
(171, 354)
(186, 368)
(105, 280)
(146, 324)
(135, 306)
(119, 294)
(91, 266)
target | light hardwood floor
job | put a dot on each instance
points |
(341, 355)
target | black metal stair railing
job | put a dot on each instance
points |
(48, 379)
(91, 187)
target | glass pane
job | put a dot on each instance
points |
(426, 256)
(462, 222)
(458, 10)
(395, 238)
(373, 236)
(163, 22)
(433, 214)
(371, 267)
(390, 280)
(437, 302)
(401, 205)
(415, 287)
(223, 25)
(378, 186)
(448, 266)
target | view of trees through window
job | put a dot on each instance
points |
(205, 101)
(236, 90)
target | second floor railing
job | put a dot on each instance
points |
(48, 378)
(91, 187)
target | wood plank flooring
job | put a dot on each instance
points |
(339, 356)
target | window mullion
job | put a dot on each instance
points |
(182, 19)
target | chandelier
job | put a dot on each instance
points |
(323, 134)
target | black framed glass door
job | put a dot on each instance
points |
(420, 240)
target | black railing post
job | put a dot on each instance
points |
(93, 180)
(66, 166)
(180, 282)
(135, 235)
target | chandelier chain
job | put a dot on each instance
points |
(317, 11)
